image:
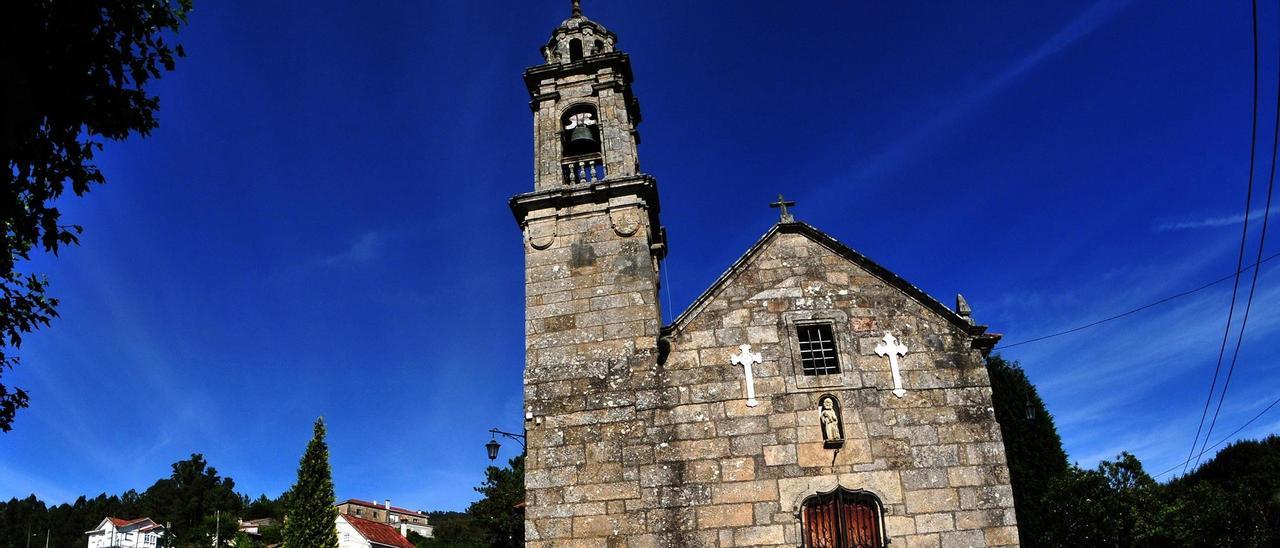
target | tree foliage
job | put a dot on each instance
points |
(497, 515)
(187, 501)
(263, 507)
(190, 500)
(495, 521)
(1232, 500)
(75, 75)
(310, 521)
(451, 530)
(1032, 443)
(1115, 504)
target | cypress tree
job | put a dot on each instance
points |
(310, 521)
(1031, 443)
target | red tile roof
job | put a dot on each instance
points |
(121, 522)
(144, 524)
(381, 507)
(379, 533)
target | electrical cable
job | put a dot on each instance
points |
(1224, 439)
(1253, 285)
(1244, 234)
(1138, 309)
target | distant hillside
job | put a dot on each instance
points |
(1235, 497)
(1250, 465)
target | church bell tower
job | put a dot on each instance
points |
(593, 245)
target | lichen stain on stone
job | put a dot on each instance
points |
(582, 255)
(626, 266)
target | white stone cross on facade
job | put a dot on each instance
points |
(746, 358)
(893, 349)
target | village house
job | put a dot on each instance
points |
(402, 519)
(253, 528)
(125, 533)
(354, 532)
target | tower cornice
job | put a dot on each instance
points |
(642, 186)
(535, 76)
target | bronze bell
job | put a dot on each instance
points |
(581, 136)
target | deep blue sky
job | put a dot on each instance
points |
(319, 226)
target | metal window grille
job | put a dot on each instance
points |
(817, 349)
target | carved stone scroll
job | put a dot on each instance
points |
(625, 221)
(541, 232)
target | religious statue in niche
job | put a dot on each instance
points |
(832, 424)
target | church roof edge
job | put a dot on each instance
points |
(982, 340)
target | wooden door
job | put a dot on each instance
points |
(842, 519)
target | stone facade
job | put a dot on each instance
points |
(640, 435)
(601, 82)
(934, 456)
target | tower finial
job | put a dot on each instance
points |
(577, 8)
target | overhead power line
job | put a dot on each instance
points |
(1224, 439)
(1244, 236)
(1253, 285)
(1140, 308)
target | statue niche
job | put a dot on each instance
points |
(832, 422)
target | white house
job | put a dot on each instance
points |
(125, 533)
(254, 527)
(354, 532)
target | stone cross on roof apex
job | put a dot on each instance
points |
(782, 204)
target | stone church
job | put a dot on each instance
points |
(809, 397)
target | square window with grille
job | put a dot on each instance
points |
(817, 349)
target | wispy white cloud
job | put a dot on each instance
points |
(1030, 313)
(21, 482)
(905, 148)
(1138, 384)
(1166, 444)
(129, 356)
(367, 247)
(1214, 222)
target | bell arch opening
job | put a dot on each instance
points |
(575, 50)
(582, 155)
